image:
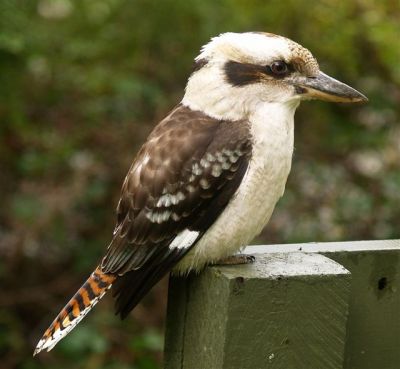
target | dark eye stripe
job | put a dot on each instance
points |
(242, 74)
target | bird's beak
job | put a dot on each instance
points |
(326, 88)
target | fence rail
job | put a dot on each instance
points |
(302, 306)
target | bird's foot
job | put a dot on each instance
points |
(236, 259)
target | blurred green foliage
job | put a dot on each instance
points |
(81, 85)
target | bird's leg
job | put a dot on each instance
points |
(236, 259)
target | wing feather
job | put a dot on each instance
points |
(182, 178)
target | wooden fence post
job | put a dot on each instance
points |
(373, 329)
(285, 311)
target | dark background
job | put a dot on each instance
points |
(81, 85)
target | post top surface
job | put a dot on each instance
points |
(284, 265)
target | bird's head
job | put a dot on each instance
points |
(236, 71)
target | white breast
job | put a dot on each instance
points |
(264, 183)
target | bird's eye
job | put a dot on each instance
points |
(279, 68)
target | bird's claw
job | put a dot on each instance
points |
(237, 259)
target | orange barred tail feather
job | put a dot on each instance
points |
(81, 303)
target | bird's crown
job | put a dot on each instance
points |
(259, 48)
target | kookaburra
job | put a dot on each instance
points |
(207, 179)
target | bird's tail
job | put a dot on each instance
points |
(81, 303)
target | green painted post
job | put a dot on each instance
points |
(285, 311)
(373, 335)
(373, 331)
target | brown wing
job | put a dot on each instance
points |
(182, 178)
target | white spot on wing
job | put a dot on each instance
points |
(151, 216)
(184, 239)
(191, 188)
(219, 156)
(210, 157)
(158, 216)
(226, 165)
(164, 216)
(164, 200)
(216, 170)
(204, 163)
(179, 196)
(196, 169)
(170, 199)
(204, 184)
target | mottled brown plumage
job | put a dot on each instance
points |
(182, 178)
(165, 188)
